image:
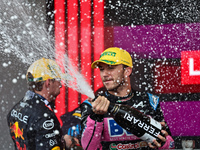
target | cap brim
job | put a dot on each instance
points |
(96, 63)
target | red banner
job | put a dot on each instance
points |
(190, 67)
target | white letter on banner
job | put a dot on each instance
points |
(192, 72)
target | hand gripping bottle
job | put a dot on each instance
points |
(137, 123)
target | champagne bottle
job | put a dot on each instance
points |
(137, 123)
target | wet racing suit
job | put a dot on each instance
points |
(102, 132)
(33, 125)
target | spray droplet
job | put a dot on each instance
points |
(23, 76)
(5, 64)
(14, 80)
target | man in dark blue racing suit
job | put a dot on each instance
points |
(32, 122)
(99, 130)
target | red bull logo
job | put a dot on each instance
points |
(16, 130)
(19, 147)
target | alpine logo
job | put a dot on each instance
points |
(139, 105)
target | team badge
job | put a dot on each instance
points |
(154, 100)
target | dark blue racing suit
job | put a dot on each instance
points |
(102, 132)
(33, 124)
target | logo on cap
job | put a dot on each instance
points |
(108, 53)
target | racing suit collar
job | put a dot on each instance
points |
(30, 94)
(45, 101)
(118, 99)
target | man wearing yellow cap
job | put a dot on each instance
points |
(32, 121)
(100, 131)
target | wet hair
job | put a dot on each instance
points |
(125, 66)
(34, 86)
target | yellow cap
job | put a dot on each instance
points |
(44, 69)
(114, 56)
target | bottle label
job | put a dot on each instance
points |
(147, 137)
(155, 123)
(152, 129)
